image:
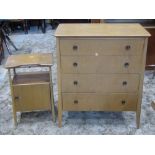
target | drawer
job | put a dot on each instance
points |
(99, 102)
(108, 46)
(32, 97)
(101, 64)
(100, 83)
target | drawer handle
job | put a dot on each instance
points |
(127, 47)
(76, 102)
(75, 47)
(124, 83)
(123, 102)
(75, 64)
(75, 82)
(126, 64)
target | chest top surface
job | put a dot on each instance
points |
(101, 30)
(29, 59)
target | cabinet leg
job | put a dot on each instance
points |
(59, 117)
(52, 95)
(53, 110)
(14, 118)
(13, 102)
(138, 119)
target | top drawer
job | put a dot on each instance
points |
(99, 46)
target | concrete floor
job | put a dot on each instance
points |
(110, 123)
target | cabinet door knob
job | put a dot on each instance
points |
(16, 97)
(75, 64)
(75, 82)
(123, 102)
(75, 47)
(124, 83)
(126, 64)
(76, 102)
(127, 47)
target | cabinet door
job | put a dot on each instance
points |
(32, 97)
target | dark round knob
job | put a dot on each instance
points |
(16, 97)
(127, 47)
(123, 102)
(126, 64)
(124, 83)
(75, 82)
(75, 47)
(75, 101)
(75, 64)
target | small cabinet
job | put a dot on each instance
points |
(31, 91)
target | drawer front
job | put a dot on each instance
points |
(101, 64)
(107, 46)
(99, 102)
(32, 97)
(100, 83)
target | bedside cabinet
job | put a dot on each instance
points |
(31, 91)
(100, 67)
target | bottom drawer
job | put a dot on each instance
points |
(99, 102)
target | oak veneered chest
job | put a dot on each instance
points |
(100, 67)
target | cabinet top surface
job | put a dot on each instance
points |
(101, 30)
(29, 60)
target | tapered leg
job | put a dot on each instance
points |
(14, 116)
(52, 96)
(53, 107)
(13, 102)
(59, 115)
(138, 119)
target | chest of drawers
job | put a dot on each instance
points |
(100, 67)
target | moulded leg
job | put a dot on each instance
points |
(52, 97)
(53, 110)
(138, 119)
(14, 117)
(59, 117)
